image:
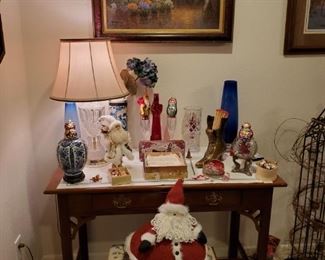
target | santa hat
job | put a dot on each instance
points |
(175, 200)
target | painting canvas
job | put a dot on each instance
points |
(315, 16)
(172, 19)
(305, 27)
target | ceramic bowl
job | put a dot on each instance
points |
(264, 174)
(214, 168)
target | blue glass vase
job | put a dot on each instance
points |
(229, 102)
(70, 113)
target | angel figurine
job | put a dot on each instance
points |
(244, 148)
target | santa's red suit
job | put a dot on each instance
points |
(172, 234)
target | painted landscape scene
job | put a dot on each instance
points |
(163, 14)
(316, 17)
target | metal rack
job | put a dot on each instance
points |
(308, 234)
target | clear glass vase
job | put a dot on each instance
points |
(89, 113)
(191, 128)
(171, 127)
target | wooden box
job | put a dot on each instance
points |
(161, 146)
(120, 176)
(164, 165)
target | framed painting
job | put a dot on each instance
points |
(305, 27)
(161, 20)
(2, 42)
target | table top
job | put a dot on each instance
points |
(52, 187)
(236, 180)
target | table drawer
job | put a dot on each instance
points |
(121, 203)
(210, 200)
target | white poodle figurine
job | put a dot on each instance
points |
(116, 139)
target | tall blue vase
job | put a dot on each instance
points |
(229, 102)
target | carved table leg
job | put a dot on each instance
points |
(65, 228)
(234, 235)
(263, 235)
(83, 243)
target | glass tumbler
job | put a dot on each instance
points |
(191, 128)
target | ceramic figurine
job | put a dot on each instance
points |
(72, 154)
(144, 104)
(172, 107)
(244, 148)
(117, 140)
(171, 118)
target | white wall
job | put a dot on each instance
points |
(271, 88)
(19, 192)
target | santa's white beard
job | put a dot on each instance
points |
(177, 228)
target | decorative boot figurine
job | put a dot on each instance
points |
(219, 144)
(214, 131)
(211, 145)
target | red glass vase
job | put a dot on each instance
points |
(156, 110)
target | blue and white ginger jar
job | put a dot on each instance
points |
(72, 155)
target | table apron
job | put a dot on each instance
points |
(93, 204)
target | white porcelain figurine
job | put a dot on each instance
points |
(116, 141)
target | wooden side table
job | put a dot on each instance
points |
(253, 200)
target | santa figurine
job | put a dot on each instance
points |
(172, 234)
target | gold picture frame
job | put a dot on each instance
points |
(161, 20)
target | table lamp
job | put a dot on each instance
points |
(86, 73)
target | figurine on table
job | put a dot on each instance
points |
(144, 104)
(173, 234)
(171, 117)
(172, 107)
(244, 148)
(116, 139)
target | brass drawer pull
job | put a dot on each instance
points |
(213, 198)
(121, 202)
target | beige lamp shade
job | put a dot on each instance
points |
(87, 72)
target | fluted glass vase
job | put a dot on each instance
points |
(229, 103)
(191, 128)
